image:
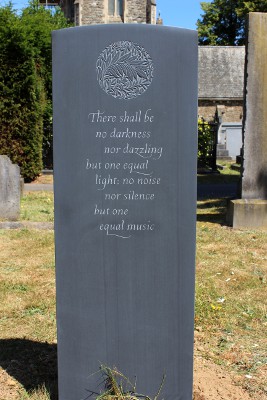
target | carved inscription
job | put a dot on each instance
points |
(124, 70)
(125, 174)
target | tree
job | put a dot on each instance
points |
(223, 22)
(21, 97)
(39, 22)
(26, 84)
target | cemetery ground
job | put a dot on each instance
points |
(231, 306)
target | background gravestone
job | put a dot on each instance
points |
(254, 182)
(251, 210)
(9, 189)
(125, 149)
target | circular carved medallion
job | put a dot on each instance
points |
(124, 70)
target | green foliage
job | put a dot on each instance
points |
(223, 21)
(205, 138)
(38, 23)
(21, 97)
(118, 386)
(48, 134)
(25, 83)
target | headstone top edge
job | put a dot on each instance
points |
(121, 27)
(256, 13)
(5, 158)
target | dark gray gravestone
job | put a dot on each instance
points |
(125, 112)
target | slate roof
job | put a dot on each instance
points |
(221, 72)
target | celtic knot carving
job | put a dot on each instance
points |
(124, 70)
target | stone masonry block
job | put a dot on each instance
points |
(245, 213)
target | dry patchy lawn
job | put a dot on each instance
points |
(231, 307)
(27, 315)
(44, 179)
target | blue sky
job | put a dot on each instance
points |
(181, 13)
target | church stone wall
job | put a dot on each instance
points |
(92, 12)
(151, 12)
(136, 11)
(230, 110)
(96, 12)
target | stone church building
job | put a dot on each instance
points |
(87, 12)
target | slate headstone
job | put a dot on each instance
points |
(10, 188)
(125, 145)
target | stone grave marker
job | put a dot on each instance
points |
(125, 147)
(251, 210)
(10, 189)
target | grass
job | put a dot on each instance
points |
(231, 307)
(37, 206)
(27, 315)
(44, 179)
(40, 394)
(27, 284)
(116, 386)
(226, 175)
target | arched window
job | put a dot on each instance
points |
(76, 13)
(115, 7)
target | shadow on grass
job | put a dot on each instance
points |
(215, 211)
(33, 364)
(218, 178)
